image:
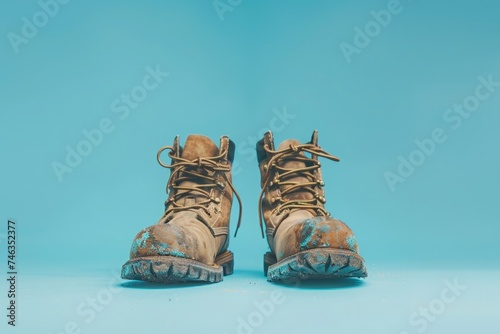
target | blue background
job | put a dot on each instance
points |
(231, 77)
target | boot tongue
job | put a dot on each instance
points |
(294, 164)
(286, 144)
(198, 146)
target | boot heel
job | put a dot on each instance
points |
(226, 261)
(269, 259)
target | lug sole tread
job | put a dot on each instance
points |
(171, 269)
(319, 263)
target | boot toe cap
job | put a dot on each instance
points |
(171, 240)
(317, 232)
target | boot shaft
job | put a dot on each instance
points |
(291, 180)
(200, 181)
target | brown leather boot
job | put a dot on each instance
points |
(305, 241)
(190, 241)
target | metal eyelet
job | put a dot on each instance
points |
(275, 199)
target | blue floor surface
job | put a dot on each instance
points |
(390, 300)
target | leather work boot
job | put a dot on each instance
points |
(190, 241)
(305, 241)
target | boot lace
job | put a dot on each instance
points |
(283, 176)
(205, 169)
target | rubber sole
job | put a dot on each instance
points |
(318, 263)
(171, 269)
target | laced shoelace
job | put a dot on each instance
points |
(188, 170)
(291, 154)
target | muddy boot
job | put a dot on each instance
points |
(305, 241)
(190, 241)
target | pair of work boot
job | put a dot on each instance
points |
(190, 241)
